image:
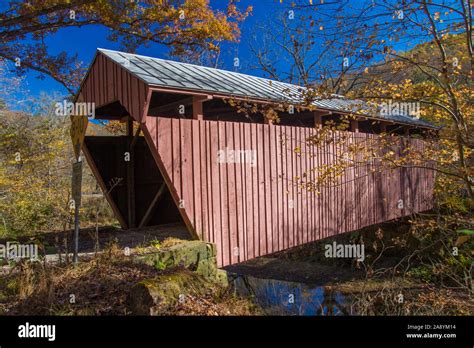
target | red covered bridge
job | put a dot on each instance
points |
(236, 179)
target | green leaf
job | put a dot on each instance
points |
(466, 231)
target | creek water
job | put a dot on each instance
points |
(291, 298)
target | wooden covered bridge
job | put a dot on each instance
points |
(235, 179)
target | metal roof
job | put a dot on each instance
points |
(177, 75)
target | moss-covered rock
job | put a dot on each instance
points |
(196, 256)
(152, 296)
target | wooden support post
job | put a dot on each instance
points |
(197, 109)
(355, 126)
(318, 120)
(129, 126)
(383, 127)
(155, 200)
(130, 175)
(198, 114)
(135, 137)
(407, 131)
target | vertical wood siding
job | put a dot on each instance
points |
(107, 82)
(250, 211)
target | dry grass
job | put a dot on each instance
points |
(214, 301)
(100, 287)
(426, 301)
(170, 241)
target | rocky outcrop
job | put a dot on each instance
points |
(187, 265)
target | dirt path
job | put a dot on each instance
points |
(55, 242)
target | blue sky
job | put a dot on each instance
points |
(84, 42)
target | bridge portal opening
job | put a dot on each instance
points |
(138, 194)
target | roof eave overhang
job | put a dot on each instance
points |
(214, 94)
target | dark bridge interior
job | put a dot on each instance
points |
(109, 154)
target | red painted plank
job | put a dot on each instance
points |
(244, 173)
(284, 187)
(311, 162)
(197, 194)
(292, 203)
(278, 188)
(255, 192)
(203, 166)
(241, 170)
(251, 208)
(224, 194)
(262, 235)
(265, 141)
(175, 160)
(232, 208)
(304, 193)
(299, 192)
(216, 189)
(317, 196)
(210, 182)
(332, 219)
(248, 182)
(273, 178)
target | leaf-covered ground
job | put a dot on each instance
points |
(101, 286)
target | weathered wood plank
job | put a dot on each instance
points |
(259, 209)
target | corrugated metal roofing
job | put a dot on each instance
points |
(177, 75)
